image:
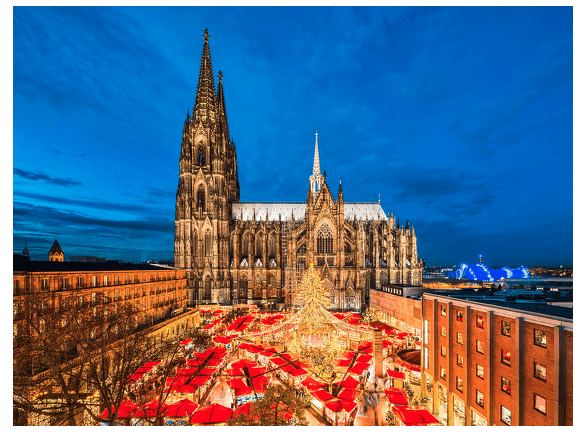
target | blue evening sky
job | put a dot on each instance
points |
(460, 117)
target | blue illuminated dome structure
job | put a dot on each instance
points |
(481, 271)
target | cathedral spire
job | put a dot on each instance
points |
(205, 92)
(221, 108)
(316, 180)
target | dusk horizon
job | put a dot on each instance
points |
(458, 120)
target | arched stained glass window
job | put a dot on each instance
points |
(259, 246)
(245, 246)
(272, 245)
(324, 239)
(201, 157)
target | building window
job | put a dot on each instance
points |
(443, 373)
(426, 358)
(506, 357)
(505, 416)
(460, 360)
(540, 338)
(479, 347)
(426, 332)
(272, 246)
(45, 283)
(480, 372)
(207, 244)
(324, 239)
(460, 315)
(460, 338)
(459, 384)
(201, 199)
(540, 403)
(480, 322)
(443, 311)
(105, 280)
(506, 385)
(443, 332)
(116, 280)
(93, 281)
(505, 328)
(65, 282)
(443, 351)
(480, 398)
(540, 371)
(259, 246)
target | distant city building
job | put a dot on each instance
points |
(254, 252)
(56, 253)
(86, 259)
(25, 251)
(480, 271)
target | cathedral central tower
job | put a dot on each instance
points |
(207, 188)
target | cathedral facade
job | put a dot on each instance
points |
(237, 252)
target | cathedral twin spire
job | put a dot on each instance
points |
(316, 179)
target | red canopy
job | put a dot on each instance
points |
(242, 363)
(322, 395)
(343, 363)
(349, 394)
(298, 372)
(364, 358)
(349, 382)
(182, 408)
(221, 340)
(235, 372)
(259, 370)
(236, 383)
(243, 391)
(409, 416)
(312, 384)
(338, 405)
(396, 397)
(358, 368)
(186, 388)
(150, 409)
(126, 409)
(214, 413)
(199, 380)
(395, 374)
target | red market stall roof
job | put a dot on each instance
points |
(236, 383)
(134, 378)
(349, 382)
(187, 388)
(339, 316)
(364, 358)
(343, 363)
(322, 395)
(269, 352)
(199, 380)
(395, 374)
(259, 370)
(410, 416)
(214, 413)
(349, 394)
(235, 372)
(243, 391)
(312, 384)
(182, 408)
(358, 368)
(396, 397)
(244, 363)
(298, 372)
(126, 409)
(221, 340)
(338, 405)
(385, 343)
(150, 409)
(384, 327)
(349, 354)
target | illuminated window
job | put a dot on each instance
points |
(443, 373)
(460, 315)
(505, 416)
(505, 328)
(506, 385)
(426, 332)
(540, 403)
(540, 371)
(443, 332)
(459, 384)
(540, 338)
(480, 398)
(272, 246)
(460, 360)
(479, 347)
(426, 358)
(324, 239)
(208, 244)
(480, 372)
(443, 351)
(480, 322)
(460, 338)
(506, 357)
(443, 311)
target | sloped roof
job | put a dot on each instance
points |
(366, 211)
(56, 249)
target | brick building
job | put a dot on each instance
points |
(155, 292)
(496, 363)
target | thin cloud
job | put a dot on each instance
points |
(41, 176)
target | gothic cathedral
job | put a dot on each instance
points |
(237, 252)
